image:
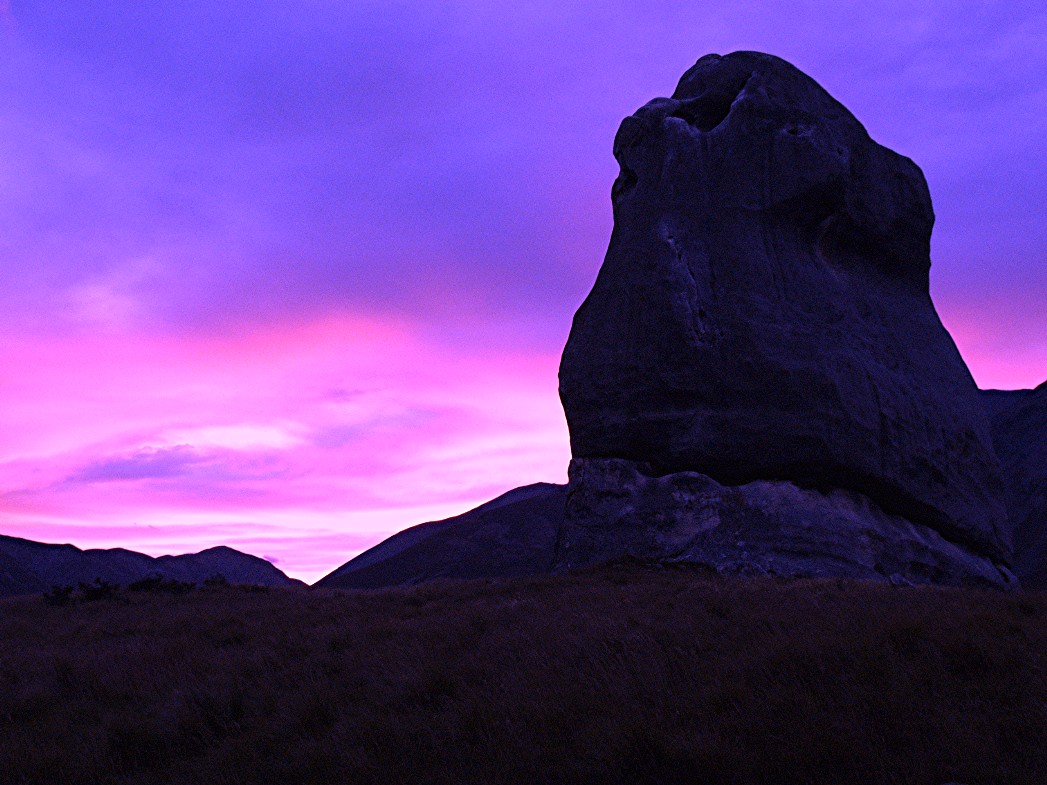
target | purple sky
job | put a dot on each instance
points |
(290, 276)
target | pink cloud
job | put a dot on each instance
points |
(339, 431)
(1003, 341)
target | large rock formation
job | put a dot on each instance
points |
(763, 315)
(1019, 428)
(758, 381)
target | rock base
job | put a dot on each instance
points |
(619, 509)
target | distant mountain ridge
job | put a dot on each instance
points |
(27, 566)
(513, 534)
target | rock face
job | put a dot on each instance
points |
(764, 527)
(763, 316)
(28, 567)
(514, 534)
(1019, 428)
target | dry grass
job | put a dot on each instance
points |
(622, 675)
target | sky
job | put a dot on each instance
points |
(292, 275)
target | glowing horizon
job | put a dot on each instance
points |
(255, 443)
(292, 277)
(258, 443)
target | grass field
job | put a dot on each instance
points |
(621, 675)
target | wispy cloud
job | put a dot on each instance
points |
(259, 429)
(143, 464)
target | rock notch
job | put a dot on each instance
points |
(761, 338)
(1019, 428)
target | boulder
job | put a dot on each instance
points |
(763, 315)
(1019, 428)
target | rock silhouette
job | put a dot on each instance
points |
(764, 311)
(1019, 427)
(758, 381)
(514, 534)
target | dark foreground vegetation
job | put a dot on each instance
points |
(623, 675)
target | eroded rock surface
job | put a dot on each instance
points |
(618, 508)
(763, 314)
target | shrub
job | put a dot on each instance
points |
(150, 583)
(99, 590)
(59, 595)
(158, 584)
